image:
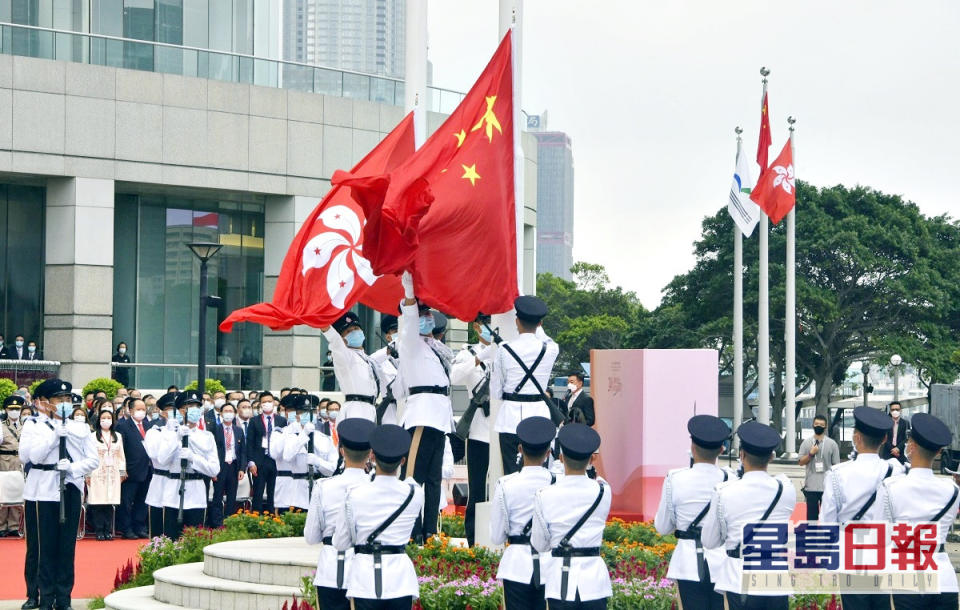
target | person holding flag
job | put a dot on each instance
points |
(360, 378)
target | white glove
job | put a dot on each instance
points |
(186, 454)
(63, 465)
(313, 460)
(183, 431)
(172, 424)
(407, 281)
(308, 428)
(293, 428)
(61, 430)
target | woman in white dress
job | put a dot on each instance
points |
(103, 484)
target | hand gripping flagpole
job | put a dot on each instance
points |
(763, 313)
(790, 318)
(737, 319)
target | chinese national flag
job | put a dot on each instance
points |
(447, 214)
(763, 146)
(776, 193)
(324, 272)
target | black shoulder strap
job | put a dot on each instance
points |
(576, 526)
(943, 511)
(873, 497)
(776, 499)
(373, 535)
(527, 372)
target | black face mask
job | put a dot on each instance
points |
(818, 429)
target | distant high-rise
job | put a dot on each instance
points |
(359, 35)
(554, 200)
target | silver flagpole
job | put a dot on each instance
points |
(737, 320)
(790, 320)
(763, 335)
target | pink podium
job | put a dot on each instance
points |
(643, 399)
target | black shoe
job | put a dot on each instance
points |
(130, 536)
(31, 604)
(142, 535)
(108, 536)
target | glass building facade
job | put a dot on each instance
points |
(21, 262)
(157, 282)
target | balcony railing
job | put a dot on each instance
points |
(150, 56)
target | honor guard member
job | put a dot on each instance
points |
(288, 447)
(511, 518)
(424, 365)
(11, 470)
(193, 452)
(521, 371)
(157, 437)
(568, 522)
(378, 519)
(387, 358)
(57, 454)
(358, 375)
(684, 502)
(471, 369)
(754, 498)
(850, 489)
(921, 497)
(326, 513)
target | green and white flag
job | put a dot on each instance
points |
(742, 209)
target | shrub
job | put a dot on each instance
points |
(7, 388)
(101, 384)
(210, 386)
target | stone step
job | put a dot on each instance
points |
(138, 598)
(186, 585)
(268, 561)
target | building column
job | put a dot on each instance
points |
(293, 356)
(78, 277)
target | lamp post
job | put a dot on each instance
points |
(895, 360)
(865, 369)
(204, 251)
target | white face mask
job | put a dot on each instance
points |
(13, 414)
(572, 387)
(139, 414)
(219, 402)
(79, 418)
(105, 424)
(267, 407)
(895, 414)
(245, 414)
(333, 414)
(122, 350)
(228, 417)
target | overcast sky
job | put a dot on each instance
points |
(650, 92)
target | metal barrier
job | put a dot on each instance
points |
(25, 372)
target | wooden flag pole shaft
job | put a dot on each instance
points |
(737, 320)
(763, 313)
(790, 319)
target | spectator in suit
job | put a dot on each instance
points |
(244, 413)
(578, 406)
(18, 350)
(132, 513)
(228, 437)
(262, 467)
(32, 352)
(895, 445)
(121, 373)
(4, 348)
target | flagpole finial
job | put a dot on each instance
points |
(791, 121)
(764, 72)
(738, 130)
(416, 99)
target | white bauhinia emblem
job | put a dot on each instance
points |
(784, 178)
(342, 245)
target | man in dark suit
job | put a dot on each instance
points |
(578, 405)
(4, 349)
(232, 455)
(32, 352)
(132, 512)
(262, 467)
(17, 351)
(895, 445)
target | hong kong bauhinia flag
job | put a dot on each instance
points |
(776, 191)
(325, 271)
(447, 214)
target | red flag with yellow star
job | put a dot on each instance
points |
(447, 214)
(763, 145)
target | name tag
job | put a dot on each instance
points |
(263, 443)
(108, 459)
(818, 466)
(229, 456)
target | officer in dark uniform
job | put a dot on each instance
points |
(57, 453)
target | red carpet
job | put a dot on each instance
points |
(96, 566)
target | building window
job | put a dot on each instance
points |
(21, 262)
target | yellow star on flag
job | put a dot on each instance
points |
(490, 118)
(460, 137)
(470, 173)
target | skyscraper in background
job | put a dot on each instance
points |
(554, 199)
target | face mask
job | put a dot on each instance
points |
(818, 430)
(79, 418)
(306, 418)
(233, 402)
(323, 413)
(64, 409)
(122, 350)
(154, 416)
(895, 414)
(426, 325)
(355, 339)
(105, 424)
(13, 414)
(32, 349)
(194, 414)
(572, 387)
(19, 343)
(139, 414)
(179, 417)
(245, 414)
(219, 402)
(485, 334)
(267, 407)
(333, 414)
(228, 417)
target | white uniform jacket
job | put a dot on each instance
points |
(325, 517)
(467, 373)
(357, 374)
(686, 492)
(556, 509)
(850, 485)
(40, 446)
(154, 440)
(366, 507)
(736, 503)
(288, 447)
(203, 460)
(390, 367)
(422, 364)
(512, 509)
(507, 375)
(918, 497)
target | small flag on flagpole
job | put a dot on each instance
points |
(744, 212)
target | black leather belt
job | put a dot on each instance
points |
(734, 553)
(521, 397)
(327, 540)
(43, 467)
(429, 389)
(8, 452)
(383, 549)
(518, 539)
(589, 551)
(686, 534)
(359, 398)
(163, 473)
(190, 476)
(293, 475)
